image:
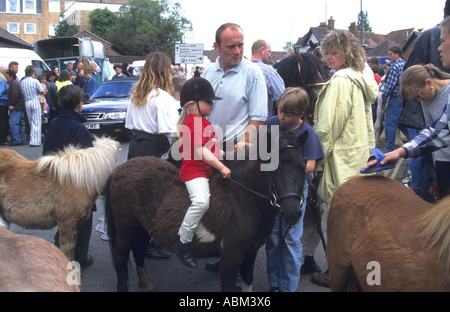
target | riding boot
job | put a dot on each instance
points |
(183, 251)
(309, 266)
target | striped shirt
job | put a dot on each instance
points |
(275, 85)
(432, 138)
(392, 84)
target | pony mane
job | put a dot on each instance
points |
(85, 169)
(435, 225)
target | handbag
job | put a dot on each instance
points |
(412, 116)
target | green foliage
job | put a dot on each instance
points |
(65, 30)
(143, 26)
(289, 46)
(364, 22)
(102, 22)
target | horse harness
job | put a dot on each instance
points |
(273, 196)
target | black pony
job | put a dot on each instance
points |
(145, 198)
(303, 70)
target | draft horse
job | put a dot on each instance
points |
(55, 190)
(383, 237)
(303, 70)
(145, 198)
(31, 264)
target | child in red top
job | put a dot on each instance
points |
(199, 148)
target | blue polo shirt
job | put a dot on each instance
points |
(244, 98)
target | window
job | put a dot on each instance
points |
(51, 29)
(29, 6)
(12, 6)
(54, 6)
(30, 28)
(13, 28)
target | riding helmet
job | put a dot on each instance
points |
(197, 89)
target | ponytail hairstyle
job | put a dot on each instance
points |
(188, 108)
(413, 79)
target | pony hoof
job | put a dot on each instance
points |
(147, 287)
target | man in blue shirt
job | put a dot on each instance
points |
(4, 117)
(242, 87)
(395, 105)
(261, 56)
(90, 84)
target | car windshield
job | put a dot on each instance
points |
(114, 90)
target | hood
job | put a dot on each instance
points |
(364, 80)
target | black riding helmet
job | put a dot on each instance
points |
(197, 89)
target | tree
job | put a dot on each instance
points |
(65, 30)
(289, 47)
(144, 26)
(364, 21)
(102, 22)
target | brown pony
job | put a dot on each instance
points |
(383, 237)
(146, 197)
(32, 264)
(55, 190)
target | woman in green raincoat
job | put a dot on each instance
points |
(343, 114)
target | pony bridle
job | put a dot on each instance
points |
(273, 196)
(275, 199)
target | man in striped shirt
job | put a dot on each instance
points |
(437, 135)
(395, 103)
(261, 56)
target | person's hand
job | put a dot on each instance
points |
(226, 172)
(383, 106)
(389, 157)
(241, 145)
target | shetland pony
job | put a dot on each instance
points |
(383, 237)
(32, 264)
(146, 198)
(55, 190)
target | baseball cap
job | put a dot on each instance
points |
(196, 89)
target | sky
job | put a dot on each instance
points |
(291, 19)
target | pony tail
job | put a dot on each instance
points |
(183, 115)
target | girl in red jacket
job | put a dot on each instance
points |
(200, 149)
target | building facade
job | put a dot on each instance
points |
(32, 20)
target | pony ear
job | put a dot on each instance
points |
(302, 138)
(299, 57)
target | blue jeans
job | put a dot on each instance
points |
(393, 112)
(422, 171)
(17, 130)
(284, 258)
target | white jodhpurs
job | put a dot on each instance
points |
(198, 190)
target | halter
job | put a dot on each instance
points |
(273, 196)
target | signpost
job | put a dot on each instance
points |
(189, 53)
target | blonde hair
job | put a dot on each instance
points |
(345, 42)
(413, 79)
(156, 74)
(187, 109)
(293, 101)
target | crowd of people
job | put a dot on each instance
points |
(234, 97)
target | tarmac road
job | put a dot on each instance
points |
(166, 275)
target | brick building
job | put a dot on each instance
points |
(32, 20)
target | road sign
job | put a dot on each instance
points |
(189, 53)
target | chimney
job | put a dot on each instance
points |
(353, 28)
(323, 24)
(331, 24)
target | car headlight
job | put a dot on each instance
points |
(116, 115)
